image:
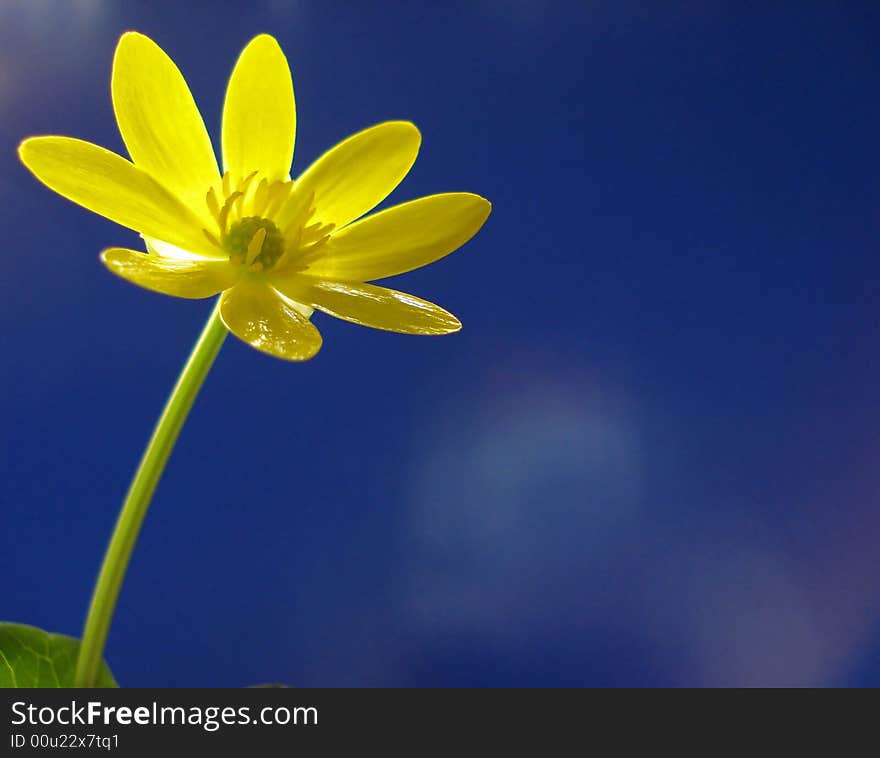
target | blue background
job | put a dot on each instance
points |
(650, 457)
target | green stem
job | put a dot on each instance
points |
(140, 492)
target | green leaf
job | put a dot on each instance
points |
(30, 657)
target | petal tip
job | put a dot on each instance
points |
(404, 127)
(264, 39)
(109, 254)
(261, 329)
(480, 207)
(22, 149)
(484, 204)
(452, 323)
(132, 37)
(28, 148)
(130, 47)
(412, 128)
(264, 44)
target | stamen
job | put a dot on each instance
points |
(213, 203)
(238, 203)
(254, 242)
(282, 261)
(244, 183)
(279, 191)
(255, 246)
(313, 252)
(303, 213)
(261, 197)
(295, 210)
(224, 211)
(212, 238)
(314, 232)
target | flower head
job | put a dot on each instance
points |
(276, 248)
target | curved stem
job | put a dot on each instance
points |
(140, 492)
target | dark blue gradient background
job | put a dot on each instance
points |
(650, 457)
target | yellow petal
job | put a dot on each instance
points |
(368, 305)
(159, 121)
(113, 187)
(403, 237)
(259, 115)
(166, 250)
(360, 172)
(170, 276)
(259, 316)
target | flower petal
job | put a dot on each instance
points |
(360, 172)
(259, 114)
(159, 121)
(170, 276)
(403, 237)
(113, 187)
(368, 305)
(259, 316)
(167, 250)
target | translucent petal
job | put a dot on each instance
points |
(368, 305)
(403, 237)
(159, 121)
(113, 187)
(258, 316)
(170, 276)
(360, 172)
(166, 250)
(259, 114)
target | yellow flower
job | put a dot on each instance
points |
(276, 248)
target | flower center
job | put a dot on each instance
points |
(264, 225)
(254, 242)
